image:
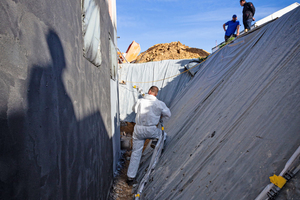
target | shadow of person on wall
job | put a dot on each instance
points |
(53, 155)
(51, 121)
(74, 154)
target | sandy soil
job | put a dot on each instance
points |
(170, 51)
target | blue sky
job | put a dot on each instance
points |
(195, 23)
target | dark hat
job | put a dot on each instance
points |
(234, 16)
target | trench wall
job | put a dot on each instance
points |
(55, 113)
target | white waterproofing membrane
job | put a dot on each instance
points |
(237, 121)
(91, 31)
(161, 74)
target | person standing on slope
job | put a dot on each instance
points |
(232, 26)
(148, 111)
(248, 14)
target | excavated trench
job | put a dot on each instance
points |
(120, 189)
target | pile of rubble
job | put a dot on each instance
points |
(170, 51)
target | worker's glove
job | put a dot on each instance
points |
(161, 120)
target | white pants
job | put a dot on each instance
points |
(140, 134)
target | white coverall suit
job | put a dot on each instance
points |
(148, 112)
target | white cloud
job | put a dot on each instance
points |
(211, 16)
(223, 15)
(127, 21)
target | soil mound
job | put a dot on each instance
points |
(170, 51)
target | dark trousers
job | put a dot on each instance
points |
(227, 37)
(247, 24)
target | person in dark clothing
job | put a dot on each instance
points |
(232, 26)
(248, 14)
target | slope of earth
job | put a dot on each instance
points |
(237, 122)
(170, 51)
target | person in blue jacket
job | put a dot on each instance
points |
(232, 26)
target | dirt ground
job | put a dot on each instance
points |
(120, 190)
(127, 127)
(170, 51)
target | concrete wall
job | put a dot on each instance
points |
(55, 106)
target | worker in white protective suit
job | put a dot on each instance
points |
(148, 111)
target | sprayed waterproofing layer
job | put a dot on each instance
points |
(161, 74)
(56, 135)
(237, 122)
